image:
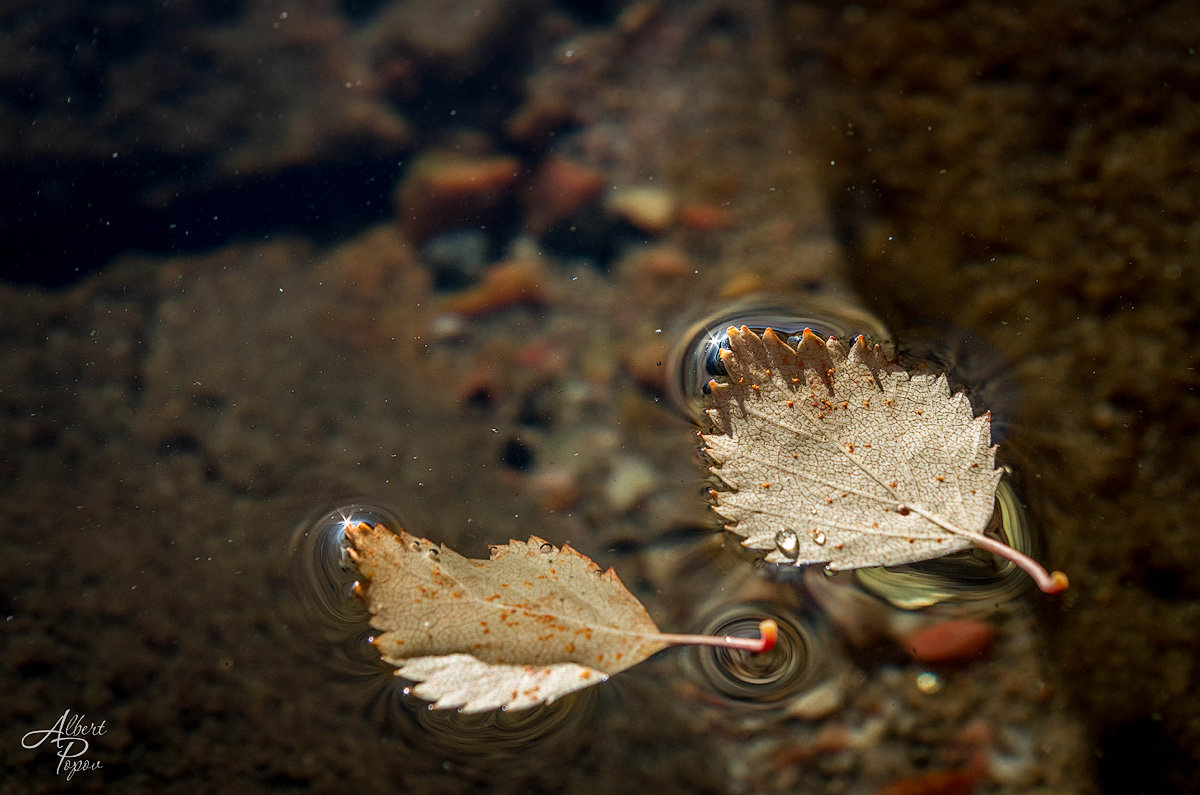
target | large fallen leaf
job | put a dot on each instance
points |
(838, 456)
(530, 624)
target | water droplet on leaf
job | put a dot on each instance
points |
(787, 543)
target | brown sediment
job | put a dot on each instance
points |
(1036, 194)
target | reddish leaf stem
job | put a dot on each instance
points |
(768, 632)
(1050, 582)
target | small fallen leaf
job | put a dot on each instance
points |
(839, 456)
(530, 624)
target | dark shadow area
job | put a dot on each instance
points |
(67, 220)
(1139, 757)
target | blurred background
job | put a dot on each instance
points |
(263, 259)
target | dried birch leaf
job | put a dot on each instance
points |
(841, 457)
(530, 624)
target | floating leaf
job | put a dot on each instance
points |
(841, 457)
(530, 624)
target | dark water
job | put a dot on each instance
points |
(432, 259)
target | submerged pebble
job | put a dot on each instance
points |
(649, 208)
(559, 189)
(938, 782)
(447, 190)
(514, 283)
(631, 480)
(955, 641)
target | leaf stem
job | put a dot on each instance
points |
(1050, 582)
(768, 632)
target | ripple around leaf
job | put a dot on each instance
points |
(532, 623)
(836, 455)
(971, 576)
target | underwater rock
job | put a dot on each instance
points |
(559, 188)
(648, 208)
(703, 216)
(443, 190)
(453, 38)
(938, 782)
(631, 481)
(555, 489)
(515, 283)
(950, 641)
(656, 267)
